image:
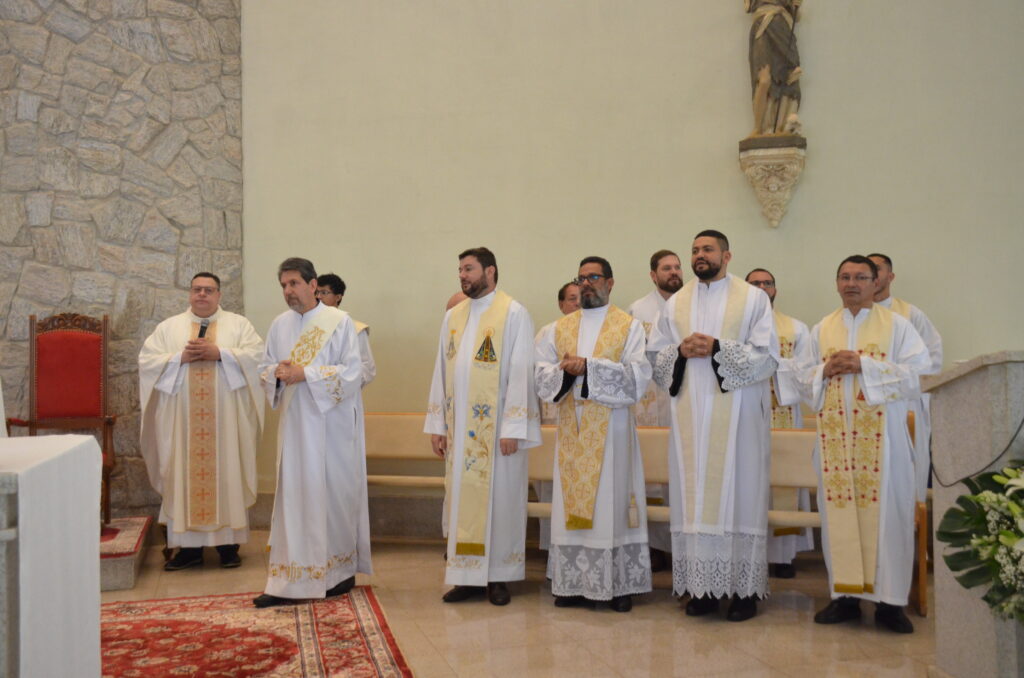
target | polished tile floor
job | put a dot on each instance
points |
(530, 637)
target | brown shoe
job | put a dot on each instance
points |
(457, 594)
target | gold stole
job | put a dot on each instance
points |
(481, 431)
(581, 443)
(360, 326)
(900, 307)
(784, 416)
(317, 329)
(852, 439)
(203, 507)
(721, 412)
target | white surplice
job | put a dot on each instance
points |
(518, 419)
(783, 549)
(921, 407)
(164, 397)
(729, 557)
(610, 559)
(369, 367)
(893, 382)
(320, 531)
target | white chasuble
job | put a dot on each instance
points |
(921, 407)
(320, 530)
(784, 543)
(500, 553)
(201, 423)
(719, 448)
(886, 385)
(610, 558)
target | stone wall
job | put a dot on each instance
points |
(120, 177)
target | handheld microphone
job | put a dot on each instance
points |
(203, 324)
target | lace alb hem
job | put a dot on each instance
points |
(741, 365)
(599, 574)
(720, 565)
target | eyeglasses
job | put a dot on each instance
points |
(858, 278)
(762, 283)
(204, 290)
(592, 278)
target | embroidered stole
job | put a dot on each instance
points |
(481, 428)
(202, 471)
(852, 439)
(317, 329)
(784, 416)
(360, 327)
(581, 442)
(710, 470)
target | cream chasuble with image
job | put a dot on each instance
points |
(320, 530)
(482, 391)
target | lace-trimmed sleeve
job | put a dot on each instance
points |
(741, 365)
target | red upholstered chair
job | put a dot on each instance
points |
(68, 382)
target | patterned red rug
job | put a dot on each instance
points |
(227, 636)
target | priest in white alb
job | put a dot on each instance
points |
(312, 374)
(592, 363)
(202, 413)
(921, 407)
(714, 348)
(860, 375)
(785, 542)
(482, 416)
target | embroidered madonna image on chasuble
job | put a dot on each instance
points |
(481, 429)
(581, 442)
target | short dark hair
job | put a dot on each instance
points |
(331, 280)
(659, 255)
(304, 267)
(760, 270)
(859, 259)
(606, 268)
(723, 242)
(484, 256)
(563, 288)
(206, 274)
(883, 257)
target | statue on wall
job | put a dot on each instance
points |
(774, 66)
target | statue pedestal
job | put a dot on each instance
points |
(773, 165)
(977, 407)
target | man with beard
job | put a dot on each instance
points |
(654, 409)
(482, 412)
(592, 364)
(930, 336)
(330, 290)
(860, 374)
(784, 543)
(312, 373)
(713, 348)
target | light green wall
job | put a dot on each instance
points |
(382, 137)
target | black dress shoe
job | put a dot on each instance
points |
(344, 586)
(184, 559)
(457, 594)
(782, 570)
(843, 608)
(698, 607)
(267, 600)
(498, 593)
(660, 561)
(893, 618)
(621, 603)
(741, 609)
(229, 555)
(573, 601)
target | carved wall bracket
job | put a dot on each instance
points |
(773, 165)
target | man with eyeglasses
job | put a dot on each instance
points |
(931, 338)
(482, 415)
(860, 374)
(783, 544)
(713, 348)
(330, 290)
(202, 413)
(592, 363)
